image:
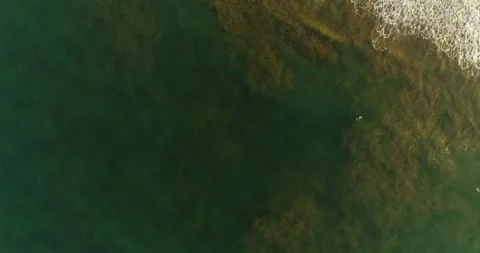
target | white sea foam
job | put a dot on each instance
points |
(453, 26)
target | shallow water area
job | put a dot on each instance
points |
(144, 126)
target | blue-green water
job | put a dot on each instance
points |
(99, 157)
(120, 132)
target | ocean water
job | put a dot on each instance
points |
(130, 126)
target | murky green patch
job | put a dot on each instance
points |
(142, 126)
(119, 137)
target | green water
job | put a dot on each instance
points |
(95, 159)
(97, 156)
